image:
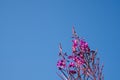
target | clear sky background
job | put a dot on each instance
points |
(30, 31)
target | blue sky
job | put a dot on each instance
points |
(30, 31)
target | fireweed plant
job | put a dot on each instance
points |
(81, 64)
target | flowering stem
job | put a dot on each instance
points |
(82, 64)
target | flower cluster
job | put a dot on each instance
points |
(61, 64)
(84, 46)
(81, 64)
(80, 44)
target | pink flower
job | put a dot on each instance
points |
(61, 64)
(71, 64)
(73, 49)
(74, 46)
(84, 46)
(81, 62)
(78, 60)
(72, 72)
(75, 43)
